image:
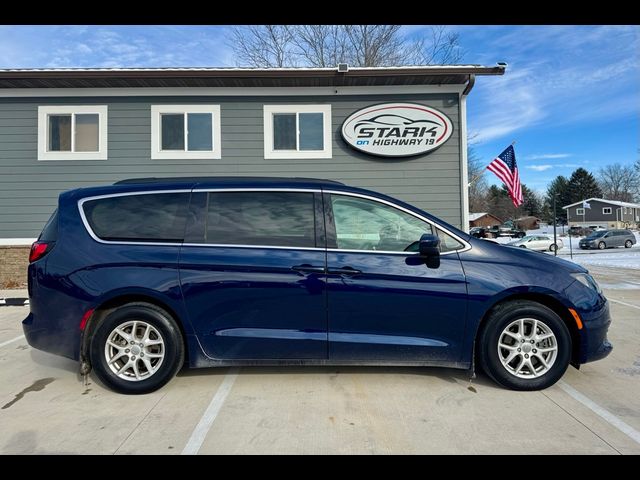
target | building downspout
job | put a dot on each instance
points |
(464, 166)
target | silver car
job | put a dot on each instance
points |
(608, 239)
(537, 242)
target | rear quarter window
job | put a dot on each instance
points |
(50, 230)
(157, 217)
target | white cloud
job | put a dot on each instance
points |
(560, 75)
(539, 168)
(547, 156)
(509, 103)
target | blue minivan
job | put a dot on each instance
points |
(138, 278)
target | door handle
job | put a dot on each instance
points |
(306, 268)
(344, 271)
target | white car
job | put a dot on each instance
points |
(537, 242)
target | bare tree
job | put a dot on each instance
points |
(619, 182)
(263, 46)
(442, 47)
(328, 45)
(636, 167)
(478, 186)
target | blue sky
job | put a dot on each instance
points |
(570, 97)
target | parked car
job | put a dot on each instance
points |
(505, 230)
(597, 228)
(478, 232)
(137, 278)
(576, 231)
(608, 239)
(538, 242)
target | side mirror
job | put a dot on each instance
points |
(430, 249)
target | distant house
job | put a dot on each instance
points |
(603, 213)
(528, 222)
(483, 220)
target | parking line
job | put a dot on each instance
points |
(204, 425)
(4, 344)
(609, 417)
(623, 303)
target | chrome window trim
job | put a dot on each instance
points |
(81, 202)
(467, 245)
(233, 245)
(258, 189)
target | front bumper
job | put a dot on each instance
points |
(594, 342)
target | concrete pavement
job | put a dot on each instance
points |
(46, 408)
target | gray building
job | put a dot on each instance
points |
(67, 128)
(603, 213)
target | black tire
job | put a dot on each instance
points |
(522, 246)
(553, 247)
(162, 322)
(628, 244)
(498, 320)
(602, 246)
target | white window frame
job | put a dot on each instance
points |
(43, 132)
(579, 211)
(156, 133)
(604, 212)
(270, 110)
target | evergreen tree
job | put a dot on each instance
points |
(531, 204)
(582, 185)
(559, 185)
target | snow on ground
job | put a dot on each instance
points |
(627, 258)
(618, 257)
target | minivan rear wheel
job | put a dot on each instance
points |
(137, 348)
(524, 346)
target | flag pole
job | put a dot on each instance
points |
(482, 173)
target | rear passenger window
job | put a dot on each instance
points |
(283, 219)
(157, 217)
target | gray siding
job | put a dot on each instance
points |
(594, 214)
(29, 188)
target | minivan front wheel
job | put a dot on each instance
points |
(524, 346)
(137, 348)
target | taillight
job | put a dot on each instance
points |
(39, 250)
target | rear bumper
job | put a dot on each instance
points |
(57, 341)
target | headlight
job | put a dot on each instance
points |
(588, 281)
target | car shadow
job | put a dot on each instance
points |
(449, 375)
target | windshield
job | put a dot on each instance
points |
(596, 234)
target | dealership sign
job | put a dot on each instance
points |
(397, 129)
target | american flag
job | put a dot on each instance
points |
(505, 167)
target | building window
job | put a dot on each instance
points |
(606, 211)
(185, 132)
(72, 132)
(297, 131)
(579, 211)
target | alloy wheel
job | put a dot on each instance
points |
(134, 350)
(527, 348)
